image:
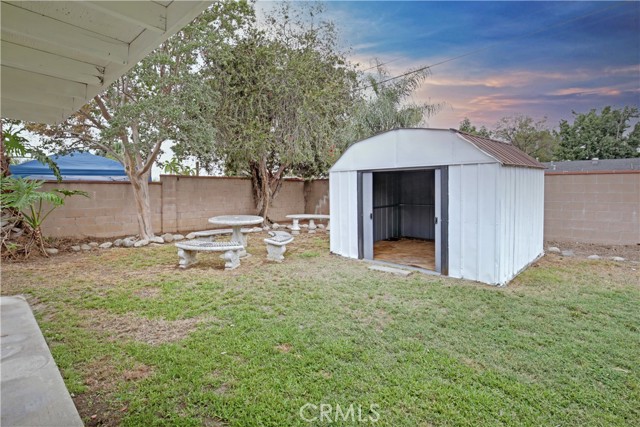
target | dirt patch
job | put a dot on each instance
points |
(149, 331)
(284, 348)
(583, 250)
(98, 406)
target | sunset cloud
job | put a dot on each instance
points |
(536, 58)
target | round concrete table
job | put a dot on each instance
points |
(295, 228)
(236, 222)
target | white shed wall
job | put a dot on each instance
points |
(473, 222)
(521, 205)
(343, 200)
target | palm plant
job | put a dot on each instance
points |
(25, 204)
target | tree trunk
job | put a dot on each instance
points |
(266, 186)
(140, 186)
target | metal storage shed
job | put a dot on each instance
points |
(443, 200)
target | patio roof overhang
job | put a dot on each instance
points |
(56, 56)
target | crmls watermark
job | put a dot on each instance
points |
(326, 412)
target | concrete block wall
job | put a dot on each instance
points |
(108, 212)
(316, 197)
(178, 204)
(584, 207)
(590, 207)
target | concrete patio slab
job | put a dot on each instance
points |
(32, 389)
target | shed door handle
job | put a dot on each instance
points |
(436, 218)
(371, 215)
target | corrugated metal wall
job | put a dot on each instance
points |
(417, 204)
(343, 196)
(521, 227)
(404, 204)
(386, 205)
(473, 222)
(495, 221)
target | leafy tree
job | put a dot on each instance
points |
(160, 99)
(466, 126)
(29, 206)
(529, 135)
(602, 136)
(386, 106)
(285, 91)
(13, 144)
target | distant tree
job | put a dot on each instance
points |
(466, 126)
(285, 93)
(14, 144)
(161, 99)
(386, 106)
(602, 136)
(527, 134)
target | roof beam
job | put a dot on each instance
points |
(34, 112)
(37, 61)
(35, 96)
(41, 83)
(147, 14)
(20, 25)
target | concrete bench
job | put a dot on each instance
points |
(209, 235)
(277, 245)
(295, 228)
(187, 252)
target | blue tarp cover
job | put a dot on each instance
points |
(74, 166)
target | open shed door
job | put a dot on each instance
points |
(367, 215)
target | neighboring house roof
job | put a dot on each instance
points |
(595, 165)
(74, 166)
(57, 55)
(506, 153)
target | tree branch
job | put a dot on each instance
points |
(103, 108)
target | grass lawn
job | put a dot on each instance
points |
(142, 343)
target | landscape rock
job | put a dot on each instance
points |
(168, 237)
(140, 243)
(553, 249)
(118, 242)
(85, 247)
(177, 237)
(156, 239)
(75, 248)
(321, 226)
(93, 244)
(304, 225)
(266, 228)
(105, 245)
(617, 258)
(275, 226)
(257, 229)
(51, 251)
(191, 236)
(128, 242)
(568, 253)
(593, 257)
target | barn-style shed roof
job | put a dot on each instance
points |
(423, 147)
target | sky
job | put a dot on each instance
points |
(542, 58)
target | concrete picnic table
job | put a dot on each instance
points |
(236, 222)
(295, 228)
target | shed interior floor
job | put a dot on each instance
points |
(413, 252)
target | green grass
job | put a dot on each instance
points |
(559, 346)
